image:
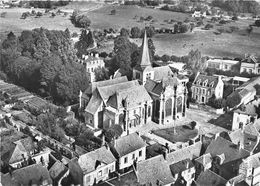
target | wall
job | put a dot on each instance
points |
(239, 118)
(130, 159)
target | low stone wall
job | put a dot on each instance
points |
(206, 108)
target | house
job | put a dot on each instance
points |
(91, 63)
(221, 64)
(203, 163)
(169, 99)
(209, 177)
(126, 103)
(204, 87)
(57, 172)
(226, 157)
(250, 64)
(245, 114)
(198, 14)
(183, 172)
(245, 93)
(154, 171)
(93, 167)
(144, 70)
(35, 174)
(128, 150)
(24, 150)
(250, 168)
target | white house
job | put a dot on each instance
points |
(221, 64)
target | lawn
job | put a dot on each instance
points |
(182, 134)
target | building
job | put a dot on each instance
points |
(144, 70)
(118, 102)
(57, 172)
(154, 171)
(250, 64)
(245, 114)
(245, 93)
(226, 157)
(204, 87)
(128, 150)
(183, 172)
(91, 63)
(221, 64)
(198, 14)
(203, 163)
(35, 174)
(93, 167)
(169, 99)
(250, 168)
(209, 177)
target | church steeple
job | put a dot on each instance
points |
(145, 57)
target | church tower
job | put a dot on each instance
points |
(143, 70)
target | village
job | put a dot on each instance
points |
(169, 122)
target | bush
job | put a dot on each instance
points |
(234, 18)
(81, 21)
(74, 34)
(257, 23)
(216, 103)
(25, 15)
(3, 14)
(39, 14)
(136, 32)
(208, 26)
(113, 12)
(222, 22)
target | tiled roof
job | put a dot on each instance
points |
(162, 72)
(27, 143)
(134, 97)
(248, 109)
(94, 85)
(154, 171)
(190, 152)
(127, 144)
(181, 166)
(209, 178)
(250, 59)
(34, 174)
(107, 91)
(203, 78)
(229, 149)
(149, 85)
(94, 103)
(57, 170)
(89, 161)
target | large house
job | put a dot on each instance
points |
(204, 87)
(128, 150)
(250, 64)
(93, 167)
(118, 101)
(91, 63)
(221, 64)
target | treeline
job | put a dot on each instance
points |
(43, 61)
(47, 4)
(238, 6)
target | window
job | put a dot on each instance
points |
(149, 111)
(203, 91)
(87, 179)
(226, 67)
(125, 160)
(100, 173)
(90, 121)
(140, 153)
(106, 171)
(133, 157)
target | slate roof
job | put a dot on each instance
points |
(250, 59)
(94, 103)
(209, 178)
(57, 170)
(94, 85)
(127, 144)
(134, 97)
(203, 78)
(229, 149)
(89, 161)
(27, 143)
(7, 180)
(181, 166)
(190, 152)
(35, 174)
(154, 170)
(253, 161)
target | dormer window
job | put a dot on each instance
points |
(205, 83)
(198, 82)
(212, 84)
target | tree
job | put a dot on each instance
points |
(136, 32)
(101, 74)
(150, 31)
(80, 20)
(124, 32)
(166, 58)
(113, 12)
(151, 48)
(114, 131)
(257, 23)
(249, 30)
(86, 41)
(25, 15)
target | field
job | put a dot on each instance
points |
(234, 44)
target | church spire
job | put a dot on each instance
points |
(145, 57)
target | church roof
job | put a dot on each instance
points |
(145, 57)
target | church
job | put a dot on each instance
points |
(167, 89)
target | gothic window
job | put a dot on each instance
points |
(168, 107)
(149, 111)
(179, 104)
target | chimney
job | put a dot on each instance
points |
(240, 145)
(103, 140)
(187, 165)
(216, 136)
(96, 55)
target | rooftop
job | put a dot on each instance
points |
(181, 166)
(210, 178)
(127, 144)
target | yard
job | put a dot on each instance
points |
(182, 134)
(128, 179)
